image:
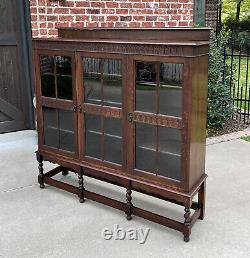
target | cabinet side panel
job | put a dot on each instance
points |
(198, 120)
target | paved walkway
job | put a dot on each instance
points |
(228, 137)
(37, 223)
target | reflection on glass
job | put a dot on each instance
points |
(166, 161)
(112, 83)
(51, 136)
(146, 87)
(170, 90)
(64, 77)
(66, 130)
(64, 87)
(93, 136)
(47, 76)
(92, 80)
(145, 147)
(58, 129)
(63, 65)
(113, 140)
(169, 157)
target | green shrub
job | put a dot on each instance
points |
(220, 104)
(240, 30)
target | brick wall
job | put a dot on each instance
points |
(47, 15)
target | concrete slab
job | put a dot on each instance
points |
(52, 223)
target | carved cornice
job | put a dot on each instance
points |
(117, 48)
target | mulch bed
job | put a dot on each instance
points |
(230, 127)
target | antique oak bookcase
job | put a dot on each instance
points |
(128, 107)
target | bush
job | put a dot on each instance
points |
(240, 31)
(220, 104)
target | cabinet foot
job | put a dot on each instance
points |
(81, 187)
(65, 172)
(40, 169)
(187, 224)
(129, 204)
(201, 200)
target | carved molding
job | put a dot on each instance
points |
(160, 120)
(102, 110)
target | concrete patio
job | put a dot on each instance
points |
(52, 223)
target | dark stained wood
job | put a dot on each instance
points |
(170, 223)
(188, 47)
(135, 34)
(202, 200)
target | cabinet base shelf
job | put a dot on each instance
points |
(128, 208)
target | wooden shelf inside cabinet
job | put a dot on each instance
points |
(126, 106)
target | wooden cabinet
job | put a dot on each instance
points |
(126, 106)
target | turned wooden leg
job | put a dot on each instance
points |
(40, 168)
(201, 200)
(65, 171)
(187, 224)
(129, 203)
(81, 187)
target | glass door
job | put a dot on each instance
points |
(157, 119)
(102, 133)
(57, 101)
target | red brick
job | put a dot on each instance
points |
(98, 4)
(47, 15)
(151, 18)
(111, 5)
(139, 18)
(122, 11)
(134, 24)
(66, 18)
(93, 11)
(61, 11)
(77, 11)
(82, 4)
(107, 24)
(112, 18)
(147, 24)
(82, 18)
(97, 18)
(183, 23)
(159, 24)
(108, 11)
(125, 18)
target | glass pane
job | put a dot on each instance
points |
(64, 77)
(66, 130)
(93, 136)
(63, 65)
(92, 80)
(169, 159)
(64, 87)
(47, 76)
(50, 126)
(145, 147)
(170, 97)
(112, 83)
(113, 140)
(146, 87)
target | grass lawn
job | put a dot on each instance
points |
(246, 138)
(242, 72)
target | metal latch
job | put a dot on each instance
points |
(130, 117)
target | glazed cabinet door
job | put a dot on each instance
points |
(156, 118)
(56, 102)
(101, 124)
